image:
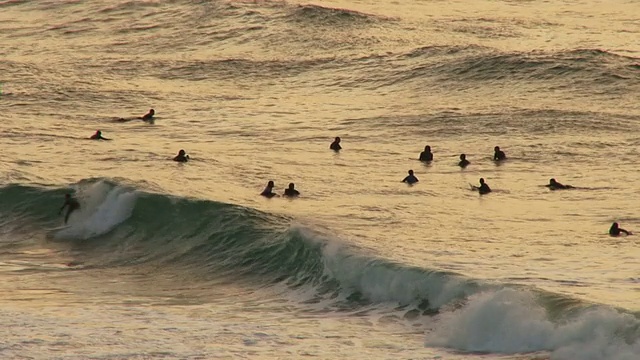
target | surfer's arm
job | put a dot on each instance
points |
(63, 206)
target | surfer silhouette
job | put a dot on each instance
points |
(616, 230)
(335, 145)
(148, 117)
(98, 136)
(410, 179)
(426, 155)
(181, 157)
(483, 188)
(291, 191)
(554, 185)
(498, 155)
(71, 204)
(463, 161)
(268, 190)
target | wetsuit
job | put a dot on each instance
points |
(72, 205)
(410, 179)
(426, 156)
(291, 192)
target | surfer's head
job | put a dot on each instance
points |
(292, 185)
(152, 112)
(463, 156)
(410, 172)
(181, 152)
(271, 184)
(427, 148)
(496, 149)
(337, 140)
(481, 180)
(552, 181)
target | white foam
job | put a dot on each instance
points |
(103, 207)
(511, 321)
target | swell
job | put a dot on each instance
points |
(468, 65)
(119, 224)
(122, 225)
(327, 16)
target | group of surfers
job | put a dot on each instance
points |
(149, 118)
(291, 192)
(498, 155)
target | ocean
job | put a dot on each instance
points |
(168, 260)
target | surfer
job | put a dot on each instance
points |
(498, 155)
(463, 161)
(148, 116)
(410, 179)
(72, 204)
(554, 185)
(268, 190)
(483, 188)
(615, 230)
(181, 157)
(426, 155)
(98, 136)
(291, 191)
(335, 145)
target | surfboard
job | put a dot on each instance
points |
(58, 228)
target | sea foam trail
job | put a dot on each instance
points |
(514, 321)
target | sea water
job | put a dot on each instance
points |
(187, 261)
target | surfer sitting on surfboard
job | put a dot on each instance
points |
(410, 179)
(483, 188)
(182, 156)
(268, 191)
(498, 155)
(335, 145)
(426, 155)
(291, 191)
(72, 203)
(463, 161)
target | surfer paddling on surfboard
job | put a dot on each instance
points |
(616, 230)
(72, 204)
(148, 117)
(98, 136)
(554, 185)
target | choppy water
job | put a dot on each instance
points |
(169, 260)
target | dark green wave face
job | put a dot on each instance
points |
(119, 225)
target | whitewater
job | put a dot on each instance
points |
(168, 260)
